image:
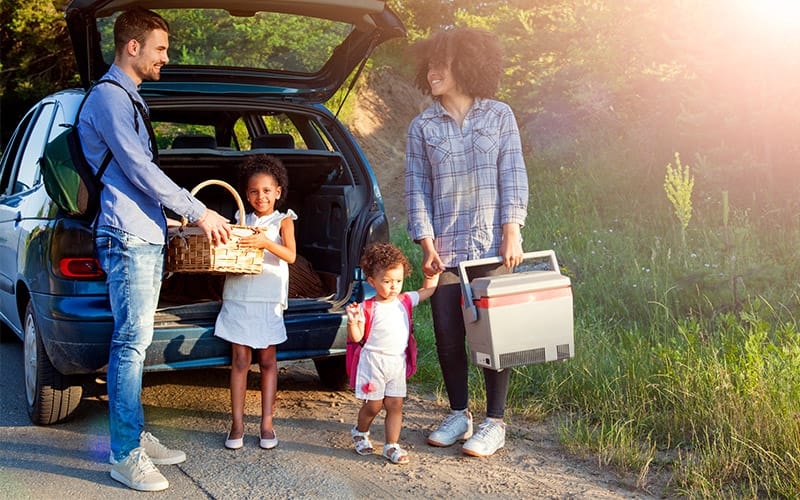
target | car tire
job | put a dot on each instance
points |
(332, 372)
(51, 397)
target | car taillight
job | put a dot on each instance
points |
(80, 267)
(72, 254)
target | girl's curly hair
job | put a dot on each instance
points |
(474, 55)
(381, 256)
(265, 164)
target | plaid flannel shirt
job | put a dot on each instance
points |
(462, 185)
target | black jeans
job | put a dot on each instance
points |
(448, 325)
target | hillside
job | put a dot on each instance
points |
(383, 109)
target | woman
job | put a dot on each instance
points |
(467, 197)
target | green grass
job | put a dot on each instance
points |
(687, 356)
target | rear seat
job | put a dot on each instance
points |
(272, 141)
(194, 141)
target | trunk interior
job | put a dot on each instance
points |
(322, 193)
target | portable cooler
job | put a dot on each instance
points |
(520, 318)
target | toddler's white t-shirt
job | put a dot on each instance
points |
(390, 327)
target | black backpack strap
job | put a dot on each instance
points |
(137, 110)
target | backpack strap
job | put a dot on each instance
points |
(369, 312)
(406, 300)
(138, 110)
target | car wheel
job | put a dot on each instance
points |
(51, 396)
(332, 372)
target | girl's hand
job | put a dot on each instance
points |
(258, 240)
(353, 312)
(355, 324)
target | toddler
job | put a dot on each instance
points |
(382, 325)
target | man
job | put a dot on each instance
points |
(131, 232)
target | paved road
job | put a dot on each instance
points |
(187, 409)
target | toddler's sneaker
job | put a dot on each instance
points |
(491, 436)
(457, 425)
(138, 472)
(158, 453)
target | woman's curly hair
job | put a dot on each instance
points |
(475, 58)
(265, 164)
(381, 256)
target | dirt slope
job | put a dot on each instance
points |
(382, 112)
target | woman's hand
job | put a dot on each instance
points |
(431, 262)
(511, 245)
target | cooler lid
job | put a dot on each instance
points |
(510, 284)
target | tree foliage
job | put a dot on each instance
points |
(714, 79)
(35, 56)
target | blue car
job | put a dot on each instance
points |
(229, 91)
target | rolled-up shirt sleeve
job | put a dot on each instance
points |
(513, 178)
(418, 185)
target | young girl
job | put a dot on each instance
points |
(252, 305)
(380, 379)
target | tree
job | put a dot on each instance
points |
(36, 57)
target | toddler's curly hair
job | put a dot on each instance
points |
(381, 256)
(265, 164)
(475, 57)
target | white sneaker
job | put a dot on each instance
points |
(457, 425)
(158, 453)
(491, 436)
(138, 472)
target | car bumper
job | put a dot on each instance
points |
(76, 332)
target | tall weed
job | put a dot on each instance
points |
(687, 356)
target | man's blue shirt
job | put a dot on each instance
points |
(136, 188)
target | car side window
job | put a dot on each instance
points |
(12, 152)
(28, 168)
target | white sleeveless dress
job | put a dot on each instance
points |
(253, 304)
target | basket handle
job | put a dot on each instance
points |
(227, 186)
(466, 289)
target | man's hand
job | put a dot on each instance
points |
(216, 227)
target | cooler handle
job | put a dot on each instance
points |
(466, 289)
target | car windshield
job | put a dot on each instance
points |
(215, 37)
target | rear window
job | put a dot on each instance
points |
(227, 129)
(214, 37)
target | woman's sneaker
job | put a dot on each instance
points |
(491, 436)
(138, 472)
(457, 425)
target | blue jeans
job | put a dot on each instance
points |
(133, 270)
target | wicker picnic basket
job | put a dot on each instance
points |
(189, 251)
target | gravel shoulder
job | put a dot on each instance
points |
(315, 459)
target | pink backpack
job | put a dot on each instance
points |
(354, 348)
